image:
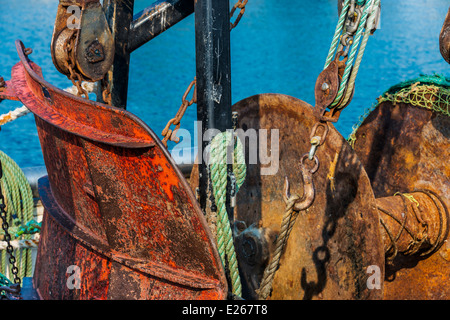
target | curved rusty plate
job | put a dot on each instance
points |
(116, 205)
(405, 148)
(335, 241)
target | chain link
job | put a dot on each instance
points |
(70, 64)
(7, 236)
(169, 134)
(75, 76)
(106, 91)
(241, 5)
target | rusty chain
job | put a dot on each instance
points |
(169, 134)
(70, 64)
(15, 288)
(241, 5)
(106, 91)
(75, 76)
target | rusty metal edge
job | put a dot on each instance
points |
(132, 143)
(82, 235)
(157, 143)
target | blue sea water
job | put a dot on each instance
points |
(279, 46)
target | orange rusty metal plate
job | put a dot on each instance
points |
(337, 239)
(116, 205)
(405, 148)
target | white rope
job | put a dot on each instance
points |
(13, 115)
(19, 244)
(23, 110)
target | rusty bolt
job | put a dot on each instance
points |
(94, 52)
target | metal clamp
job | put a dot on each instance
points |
(317, 140)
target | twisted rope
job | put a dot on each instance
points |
(20, 204)
(362, 48)
(219, 174)
(351, 57)
(290, 215)
(337, 33)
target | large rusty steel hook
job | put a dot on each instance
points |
(306, 201)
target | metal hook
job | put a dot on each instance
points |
(308, 185)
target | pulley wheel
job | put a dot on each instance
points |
(335, 242)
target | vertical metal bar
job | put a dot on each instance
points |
(119, 14)
(212, 41)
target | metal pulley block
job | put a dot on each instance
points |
(444, 39)
(82, 45)
(326, 89)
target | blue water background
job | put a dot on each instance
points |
(278, 47)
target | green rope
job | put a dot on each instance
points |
(219, 174)
(20, 205)
(337, 33)
(352, 55)
(362, 48)
(4, 282)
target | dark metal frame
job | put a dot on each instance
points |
(212, 43)
(213, 71)
(130, 32)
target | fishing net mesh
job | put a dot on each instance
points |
(428, 91)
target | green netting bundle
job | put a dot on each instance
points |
(427, 91)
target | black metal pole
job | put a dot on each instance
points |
(213, 63)
(157, 18)
(119, 14)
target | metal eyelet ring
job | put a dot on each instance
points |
(316, 165)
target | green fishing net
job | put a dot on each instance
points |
(427, 91)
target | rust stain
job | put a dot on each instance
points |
(115, 204)
(405, 149)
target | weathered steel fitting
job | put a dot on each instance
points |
(308, 185)
(413, 224)
(85, 47)
(444, 39)
(254, 248)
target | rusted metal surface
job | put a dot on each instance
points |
(326, 89)
(93, 50)
(405, 149)
(115, 204)
(414, 224)
(7, 91)
(334, 241)
(444, 38)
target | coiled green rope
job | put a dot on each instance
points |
(219, 174)
(20, 205)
